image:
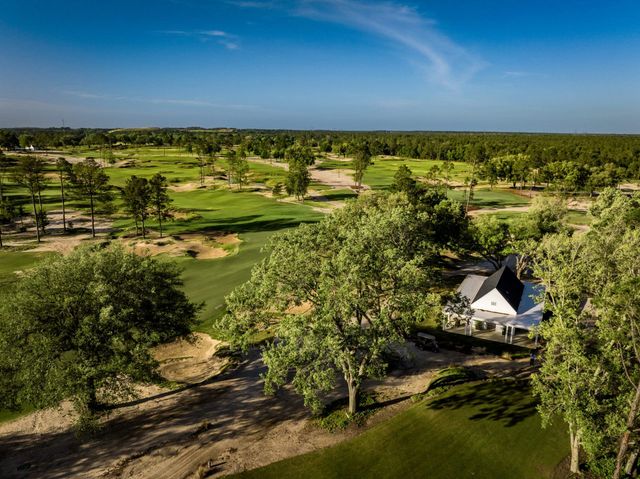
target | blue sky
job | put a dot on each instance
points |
(507, 65)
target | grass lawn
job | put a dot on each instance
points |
(212, 279)
(486, 198)
(380, 174)
(12, 261)
(579, 218)
(7, 415)
(484, 430)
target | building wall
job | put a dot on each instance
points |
(494, 302)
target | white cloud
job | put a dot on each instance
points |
(444, 61)
(227, 40)
(523, 74)
(249, 4)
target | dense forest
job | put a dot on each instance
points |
(568, 162)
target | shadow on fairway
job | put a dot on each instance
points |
(504, 401)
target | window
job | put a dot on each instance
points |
(493, 303)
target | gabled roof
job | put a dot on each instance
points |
(506, 282)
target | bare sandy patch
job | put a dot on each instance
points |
(197, 245)
(190, 360)
(191, 186)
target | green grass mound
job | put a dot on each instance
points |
(476, 430)
(336, 417)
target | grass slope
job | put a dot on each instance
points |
(211, 280)
(13, 261)
(482, 430)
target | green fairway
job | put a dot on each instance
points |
(380, 173)
(13, 261)
(211, 280)
(486, 198)
(482, 430)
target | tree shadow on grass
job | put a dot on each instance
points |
(508, 401)
(241, 224)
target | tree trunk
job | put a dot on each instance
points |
(160, 223)
(64, 217)
(624, 440)
(631, 463)
(353, 397)
(35, 215)
(0, 237)
(93, 224)
(41, 215)
(144, 232)
(92, 401)
(575, 452)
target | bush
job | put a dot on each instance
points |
(336, 418)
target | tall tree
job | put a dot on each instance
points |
(297, 180)
(160, 199)
(337, 293)
(7, 215)
(361, 161)
(568, 379)
(65, 171)
(403, 181)
(136, 196)
(80, 326)
(6, 166)
(547, 215)
(490, 238)
(93, 184)
(30, 174)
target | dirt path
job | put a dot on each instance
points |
(227, 420)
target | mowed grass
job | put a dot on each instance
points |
(14, 261)
(485, 430)
(253, 216)
(209, 281)
(380, 174)
(487, 198)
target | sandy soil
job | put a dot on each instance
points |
(338, 179)
(190, 360)
(191, 186)
(54, 240)
(516, 209)
(227, 420)
(201, 246)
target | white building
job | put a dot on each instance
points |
(500, 304)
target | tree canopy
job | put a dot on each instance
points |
(79, 326)
(338, 294)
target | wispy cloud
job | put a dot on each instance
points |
(523, 74)
(227, 40)
(157, 101)
(249, 4)
(444, 61)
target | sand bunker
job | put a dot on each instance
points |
(186, 187)
(190, 361)
(200, 246)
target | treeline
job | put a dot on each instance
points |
(563, 162)
(587, 150)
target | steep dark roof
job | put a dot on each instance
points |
(506, 282)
